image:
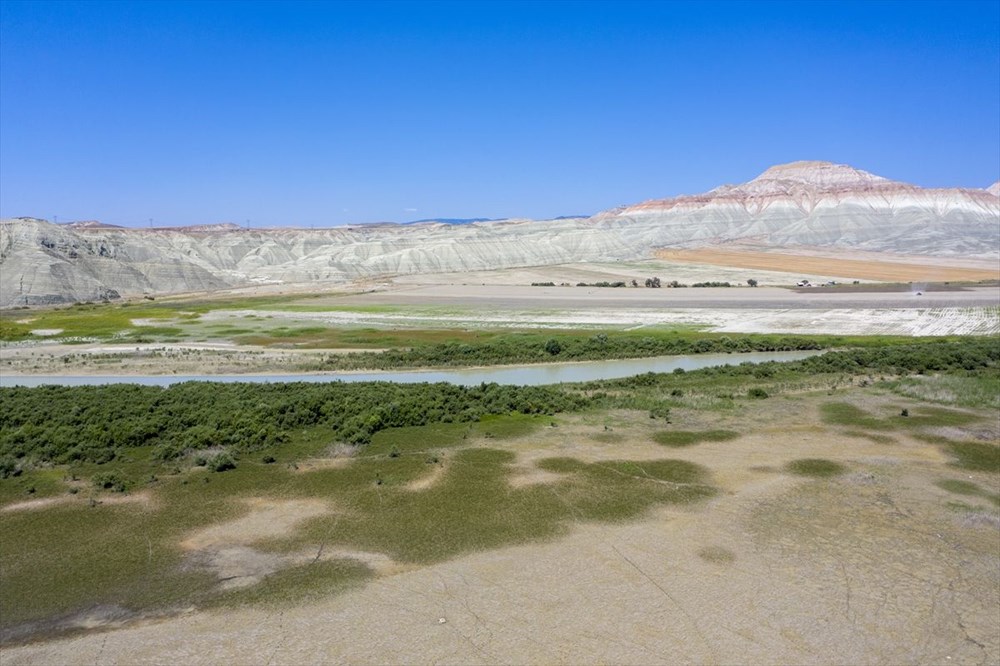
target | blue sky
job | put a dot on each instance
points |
(331, 113)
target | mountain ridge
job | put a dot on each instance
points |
(800, 204)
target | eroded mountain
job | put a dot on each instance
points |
(803, 204)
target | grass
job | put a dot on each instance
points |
(871, 436)
(817, 468)
(422, 439)
(681, 438)
(846, 414)
(977, 392)
(126, 554)
(976, 456)
(961, 487)
(179, 318)
(298, 584)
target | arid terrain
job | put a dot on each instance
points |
(839, 510)
(876, 564)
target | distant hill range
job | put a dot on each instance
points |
(806, 205)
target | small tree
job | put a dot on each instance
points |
(553, 347)
(752, 282)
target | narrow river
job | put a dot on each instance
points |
(531, 375)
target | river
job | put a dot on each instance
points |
(530, 375)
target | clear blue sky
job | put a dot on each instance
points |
(326, 113)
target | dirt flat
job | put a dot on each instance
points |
(869, 567)
(877, 267)
(496, 297)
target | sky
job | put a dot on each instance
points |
(323, 113)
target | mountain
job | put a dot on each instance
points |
(453, 220)
(828, 205)
(802, 204)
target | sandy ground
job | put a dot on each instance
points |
(869, 568)
(850, 265)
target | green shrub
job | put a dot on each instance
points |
(110, 481)
(9, 467)
(222, 462)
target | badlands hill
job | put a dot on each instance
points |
(807, 205)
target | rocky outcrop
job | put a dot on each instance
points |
(814, 204)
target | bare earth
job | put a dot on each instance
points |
(872, 567)
(861, 265)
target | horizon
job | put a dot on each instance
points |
(454, 221)
(340, 114)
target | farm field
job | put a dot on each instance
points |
(856, 265)
(717, 515)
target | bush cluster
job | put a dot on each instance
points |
(534, 349)
(63, 424)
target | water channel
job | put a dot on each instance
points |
(531, 375)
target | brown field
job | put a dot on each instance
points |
(910, 269)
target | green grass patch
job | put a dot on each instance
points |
(296, 585)
(681, 438)
(422, 439)
(473, 506)
(977, 456)
(962, 487)
(977, 391)
(846, 414)
(818, 468)
(959, 487)
(33, 484)
(871, 436)
(87, 321)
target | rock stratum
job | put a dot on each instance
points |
(799, 205)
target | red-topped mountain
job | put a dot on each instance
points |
(825, 205)
(812, 206)
(806, 185)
